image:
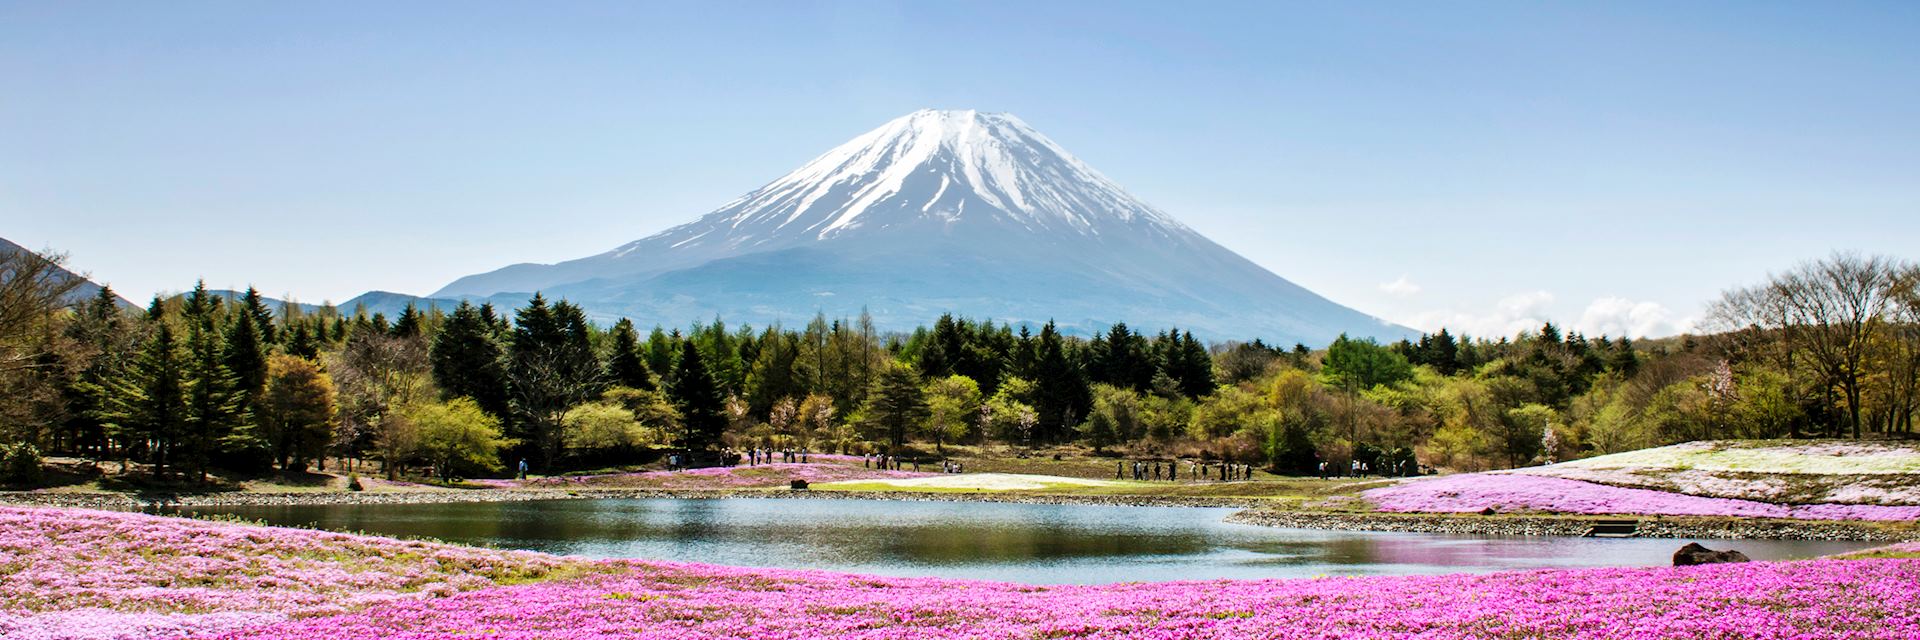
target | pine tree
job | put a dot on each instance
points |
(467, 360)
(146, 409)
(1443, 354)
(660, 353)
(773, 376)
(245, 355)
(411, 323)
(697, 397)
(1061, 393)
(1196, 367)
(255, 308)
(301, 341)
(551, 367)
(626, 365)
(109, 345)
(215, 417)
(897, 404)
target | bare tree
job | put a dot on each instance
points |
(378, 375)
(1830, 310)
(34, 289)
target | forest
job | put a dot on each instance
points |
(204, 383)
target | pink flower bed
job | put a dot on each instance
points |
(1807, 600)
(167, 578)
(71, 573)
(737, 477)
(1472, 492)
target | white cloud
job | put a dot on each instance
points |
(1401, 288)
(1513, 314)
(1617, 317)
(1610, 316)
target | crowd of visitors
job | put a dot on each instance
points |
(1171, 471)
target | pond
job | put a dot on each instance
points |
(1036, 544)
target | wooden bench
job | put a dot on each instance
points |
(1614, 529)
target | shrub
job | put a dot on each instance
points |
(19, 464)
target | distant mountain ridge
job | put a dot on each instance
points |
(87, 290)
(382, 302)
(939, 211)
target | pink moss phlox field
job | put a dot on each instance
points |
(1866, 599)
(1470, 492)
(73, 573)
(737, 477)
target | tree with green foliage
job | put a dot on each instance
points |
(1116, 417)
(108, 342)
(897, 405)
(1061, 395)
(146, 409)
(456, 437)
(1358, 365)
(216, 420)
(773, 376)
(626, 364)
(468, 361)
(296, 412)
(551, 366)
(953, 403)
(697, 397)
(245, 356)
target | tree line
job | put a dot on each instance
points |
(201, 381)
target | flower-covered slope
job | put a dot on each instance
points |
(1471, 492)
(72, 573)
(1781, 472)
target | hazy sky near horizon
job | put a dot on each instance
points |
(1484, 166)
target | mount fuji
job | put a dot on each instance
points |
(939, 211)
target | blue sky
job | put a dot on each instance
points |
(1481, 165)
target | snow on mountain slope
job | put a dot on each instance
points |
(889, 217)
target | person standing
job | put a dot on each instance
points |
(523, 468)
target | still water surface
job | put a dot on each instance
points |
(1039, 544)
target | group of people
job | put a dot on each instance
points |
(884, 462)
(759, 455)
(1358, 469)
(1170, 471)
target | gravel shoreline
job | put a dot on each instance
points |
(1650, 526)
(1514, 525)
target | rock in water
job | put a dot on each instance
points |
(1693, 554)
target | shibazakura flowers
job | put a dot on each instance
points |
(1471, 492)
(85, 574)
(734, 477)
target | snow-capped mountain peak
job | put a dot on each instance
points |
(927, 168)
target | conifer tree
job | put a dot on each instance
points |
(626, 365)
(146, 409)
(660, 353)
(467, 360)
(897, 404)
(1061, 393)
(255, 308)
(411, 323)
(215, 417)
(697, 396)
(245, 356)
(109, 345)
